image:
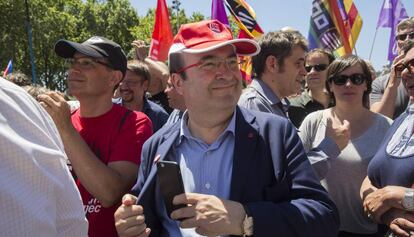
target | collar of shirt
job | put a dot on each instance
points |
(285, 105)
(185, 131)
(401, 144)
(265, 90)
(146, 106)
(306, 100)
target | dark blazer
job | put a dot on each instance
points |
(271, 175)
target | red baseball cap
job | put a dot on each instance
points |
(204, 36)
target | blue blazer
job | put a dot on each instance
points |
(271, 175)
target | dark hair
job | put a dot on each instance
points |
(139, 68)
(176, 63)
(325, 52)
(278, 44)
(19, 78)
(341, 64)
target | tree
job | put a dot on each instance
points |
(75, 20)
(143, 31)
(52, 20)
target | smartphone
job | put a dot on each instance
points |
(171, 184)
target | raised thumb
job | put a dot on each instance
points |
(129, 199)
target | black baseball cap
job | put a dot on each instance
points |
(96, 47)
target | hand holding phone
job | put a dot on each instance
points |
(171, 183)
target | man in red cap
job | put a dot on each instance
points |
(244, 172)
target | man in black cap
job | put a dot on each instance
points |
(103, 141)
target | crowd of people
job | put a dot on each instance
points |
(313, 146)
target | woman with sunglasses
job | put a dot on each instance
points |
(388, 192)
(349, 84)
(314, 97)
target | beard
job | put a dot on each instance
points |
(129, 97)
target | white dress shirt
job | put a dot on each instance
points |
(38, 196)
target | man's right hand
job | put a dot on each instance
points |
(340, 134)
(58, 109)
(141, 50)
(129, 218)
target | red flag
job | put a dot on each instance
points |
(162, 36)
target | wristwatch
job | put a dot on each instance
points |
(247, 222)
(408, 200)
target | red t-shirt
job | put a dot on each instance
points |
(110, 141)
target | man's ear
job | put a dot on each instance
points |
(272, 64)
(116, 78)
(145, 85)
(177, 80)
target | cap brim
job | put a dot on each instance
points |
(244, 47)
(66, 49)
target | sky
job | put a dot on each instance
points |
(274, 14)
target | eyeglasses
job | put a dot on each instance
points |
(409, 65)
(211, 64)
(356, 79)
(317, 67)
(403, 37)
(84, 63)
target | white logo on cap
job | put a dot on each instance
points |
(215, 27)
(95, 39)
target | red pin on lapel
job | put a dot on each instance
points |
(250, 135)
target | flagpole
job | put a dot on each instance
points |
(29, 36)
(353, 42)
(373, 42)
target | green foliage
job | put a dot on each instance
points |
(233, 26)
(143, 31)
(52, 20)
(75, 20)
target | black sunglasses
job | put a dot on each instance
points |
(356, 79)
(318, 67)
(403, 37)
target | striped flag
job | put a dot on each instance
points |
(9, 68)
(245, 17)
(249, 28)
(334, 25)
